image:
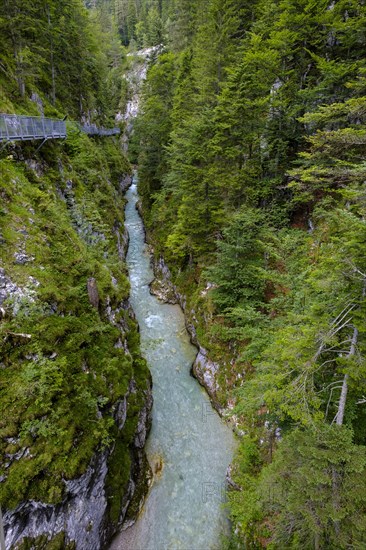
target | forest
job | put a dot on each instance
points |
(250, 148)
(251, 153)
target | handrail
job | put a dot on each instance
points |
(24, 128)
(93, 130)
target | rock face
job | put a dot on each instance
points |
(203, 368)
(205, 371)
(135, 77)
(18, 295)
(125, 183)
(93, 292)
(82, 516)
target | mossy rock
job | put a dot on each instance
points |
(45, 543)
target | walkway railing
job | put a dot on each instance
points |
(93, 130)
(24, 128)
(17, 127)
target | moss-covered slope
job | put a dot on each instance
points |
(72, 380)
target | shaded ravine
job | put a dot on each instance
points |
(189, 447)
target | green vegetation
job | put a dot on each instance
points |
(251, 153)
(43, 543)
(69, 347)
(55, 51)
(62, 369)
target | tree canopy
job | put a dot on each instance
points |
(252, 166)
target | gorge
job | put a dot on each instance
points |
(245, 121)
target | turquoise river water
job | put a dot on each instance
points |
(189, 442)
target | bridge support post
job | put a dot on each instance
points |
(4, 145)
(43, 142)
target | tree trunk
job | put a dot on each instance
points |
(343, 397)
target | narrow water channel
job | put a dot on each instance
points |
(192, 445)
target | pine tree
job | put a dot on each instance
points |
(299, 491)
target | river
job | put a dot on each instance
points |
(189, 446)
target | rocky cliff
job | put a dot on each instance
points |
(135, 76)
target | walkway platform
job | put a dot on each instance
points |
(26, 128)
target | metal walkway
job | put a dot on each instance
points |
(25, 128)
(94, 130)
